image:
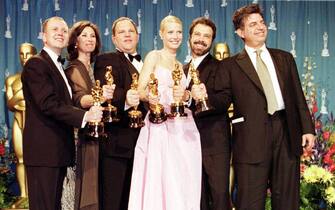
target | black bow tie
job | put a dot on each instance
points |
(61, 60)
(131, 57)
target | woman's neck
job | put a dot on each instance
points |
(168, 58)
(169, 52)
(85, 58)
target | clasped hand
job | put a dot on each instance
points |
(308, 141)
(199, 91)
(153, 99)
(178, 92)
(132, 98)
(108, 91)
(94, 114)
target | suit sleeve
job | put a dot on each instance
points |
(42, 90)
(220, 96)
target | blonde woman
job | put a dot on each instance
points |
(167, 164)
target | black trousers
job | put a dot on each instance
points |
(115, 182)
(215, 181)
(45, 185)
(280, 171)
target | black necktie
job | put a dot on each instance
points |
(61, 60)
(131, 57)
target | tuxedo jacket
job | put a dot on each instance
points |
(48, 138)
(122, 138)
(214, 127)
(243, 87)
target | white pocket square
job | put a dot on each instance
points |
(237, 120)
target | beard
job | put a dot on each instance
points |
(200, 52)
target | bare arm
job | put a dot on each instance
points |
(148, 67)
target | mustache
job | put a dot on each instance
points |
(200, 42)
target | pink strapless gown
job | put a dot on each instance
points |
(167, 164)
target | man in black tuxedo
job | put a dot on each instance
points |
(271, 121)
(48, 138)
(117, 154)
(213, 127)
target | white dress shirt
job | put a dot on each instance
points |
(138, 66)
(267, 59)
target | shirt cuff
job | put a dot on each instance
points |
(83, 123)
(189, 101)
(126, 107)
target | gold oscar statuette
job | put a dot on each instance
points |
(202, 105)
(96, 128)
(177, 107)
(110, 111)
(157, 114)
(135, 116)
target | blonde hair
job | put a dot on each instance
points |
(169, 19)
(45, 23)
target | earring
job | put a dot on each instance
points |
(75, 46)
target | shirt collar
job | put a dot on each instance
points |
(52, 54)
(251, 51)
(126, 54)
(196, 61)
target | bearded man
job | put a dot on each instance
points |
(213, 126)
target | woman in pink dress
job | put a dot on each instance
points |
(167, 163)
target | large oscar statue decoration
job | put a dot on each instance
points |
(177, 107)
(221, 51)
(110, 112)
(95, 129)
(202, 105)
(157, 114)
(135, 116)
(16, 104)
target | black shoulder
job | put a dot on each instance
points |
(107, 56)
(279, 51)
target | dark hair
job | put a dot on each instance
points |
(243, 12)
(76, 30)
(122, 19)
(204, 21)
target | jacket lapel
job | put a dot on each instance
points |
(56, 72)
(131, 68)
(245, 63)
(204, 68)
